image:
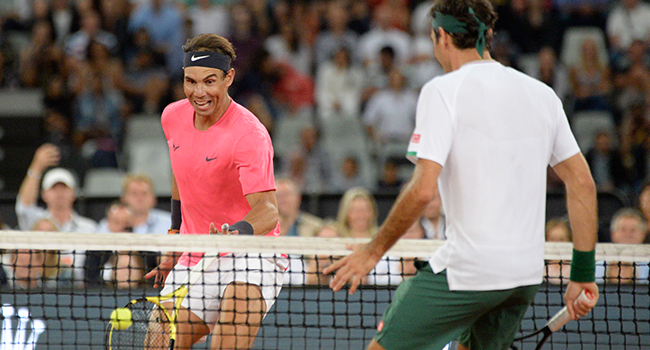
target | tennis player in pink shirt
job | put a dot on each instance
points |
(222, 162)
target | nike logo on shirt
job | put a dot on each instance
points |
(209, 159)
(196, 58)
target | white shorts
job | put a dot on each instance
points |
(204, 297)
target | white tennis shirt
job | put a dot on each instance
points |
(494, 130)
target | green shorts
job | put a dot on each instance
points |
(425, 314)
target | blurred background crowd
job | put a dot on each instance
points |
(334, 81)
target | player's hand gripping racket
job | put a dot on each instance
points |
(556, 322)
(145, 324)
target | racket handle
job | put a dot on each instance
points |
(562, 317)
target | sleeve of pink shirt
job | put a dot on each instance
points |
(253, 157)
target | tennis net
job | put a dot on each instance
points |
(55, 299)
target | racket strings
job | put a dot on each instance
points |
(149, 329)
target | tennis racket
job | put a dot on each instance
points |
(153, 327)
(556, 322)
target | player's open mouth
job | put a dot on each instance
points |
(202, 104)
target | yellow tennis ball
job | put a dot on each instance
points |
(121, 318)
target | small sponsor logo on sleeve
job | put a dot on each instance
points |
(415, 138)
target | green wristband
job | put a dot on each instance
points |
(583, 266)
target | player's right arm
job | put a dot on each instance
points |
(407, 209)
(583, 216)
(168, 259)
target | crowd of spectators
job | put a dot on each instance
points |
(320, 62)
(100, 62)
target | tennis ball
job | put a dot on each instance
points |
(121, 318)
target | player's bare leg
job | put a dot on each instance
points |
(189, 327)
(461, 347)
(375, 346)
(241, 315)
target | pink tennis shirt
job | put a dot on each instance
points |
(215, 169)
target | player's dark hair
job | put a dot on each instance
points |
(211, 43)
(460, 10)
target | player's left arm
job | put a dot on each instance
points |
(581, 197)
(263, 215)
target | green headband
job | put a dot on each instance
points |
(452, 25)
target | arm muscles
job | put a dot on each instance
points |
(409, 205)
(583, 216)
(581, 201)
(263, 215)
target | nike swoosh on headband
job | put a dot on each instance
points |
(207, 59)
(196, 58)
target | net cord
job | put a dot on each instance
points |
(270, 245)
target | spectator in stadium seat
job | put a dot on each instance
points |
(377, 72)
(123, 268)
(247, 38)
(76, 46)
(433, 219)
(139, 194)
(146, 82)
(35, 268)
(606, 163)
(357, 214)
(552, 72)
(627, 227)
(291, 47)
(209, 16)
(164, 22)
(41, 59)
(309, 165)
(58, 191)
(115, 19)
(98, 119)
(382, 34)
(632, 76)
(635, 141)
(590, 79)
(389, 181)
(336, 35)
(314, 265)
(558, 271)
(292, 89)
(293, 221)
(584, 13)
(357, 218)
(386, 124)
(643, 204)
(531, 25)
(349, 175)
(8, 74)
(339, 84)
(422, 65)
(65, 18)
(629, 20)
